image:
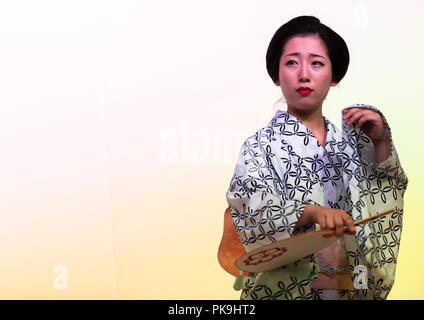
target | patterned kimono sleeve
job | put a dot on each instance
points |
(258, 207)
(390, 167)
(382, 187)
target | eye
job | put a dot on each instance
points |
(288, 63)
(319, 62)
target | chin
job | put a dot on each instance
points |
(305, 105)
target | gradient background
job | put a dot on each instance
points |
(120, 124)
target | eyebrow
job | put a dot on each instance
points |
(297, 54)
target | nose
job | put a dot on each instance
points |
(304, 73)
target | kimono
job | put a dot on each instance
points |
(281, 168)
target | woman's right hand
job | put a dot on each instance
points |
(327, 218)
(337, 219)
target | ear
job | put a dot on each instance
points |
(277, 83)
(333, 83)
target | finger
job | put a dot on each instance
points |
(349, 223)
(330, 220)
(365, 111)
(348, 112)
(321, 221)
(338, 221)
(363, 119)
(354, 117)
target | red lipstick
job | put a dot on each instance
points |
(304, 90)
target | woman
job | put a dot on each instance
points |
(300, 171)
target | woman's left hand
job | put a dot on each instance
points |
(372, 125)
(369, 121)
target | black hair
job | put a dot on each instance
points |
(308, 25)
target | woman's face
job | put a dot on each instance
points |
(305, 63)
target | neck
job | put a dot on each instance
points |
(312, 119)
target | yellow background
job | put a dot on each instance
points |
(120, 124)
